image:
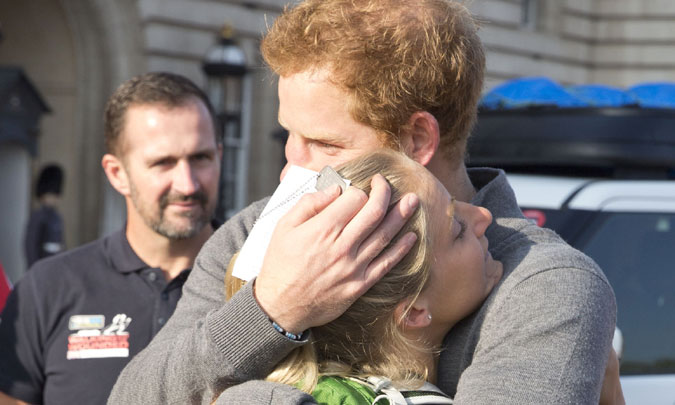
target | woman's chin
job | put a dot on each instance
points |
(495, 270)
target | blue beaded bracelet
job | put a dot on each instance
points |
(286, 333)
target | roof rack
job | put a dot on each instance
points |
(626, 141)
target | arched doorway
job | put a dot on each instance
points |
(75, 53)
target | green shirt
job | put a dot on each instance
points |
(334, 390)
(342, 391)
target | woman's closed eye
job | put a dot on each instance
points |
(462, 228)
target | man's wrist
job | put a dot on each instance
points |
(276, 317)
(293, 336)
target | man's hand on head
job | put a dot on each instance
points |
(329, 250)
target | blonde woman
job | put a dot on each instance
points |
(386, 344)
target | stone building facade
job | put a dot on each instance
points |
(77, 51)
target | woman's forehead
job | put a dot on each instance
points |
(437, 198)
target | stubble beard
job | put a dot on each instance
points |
(158, 221)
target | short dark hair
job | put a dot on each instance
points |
(162, 88)
(50, 180)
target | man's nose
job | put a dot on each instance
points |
(296, 153)
(185, 178)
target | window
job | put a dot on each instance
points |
(528, 14)
(637, 253)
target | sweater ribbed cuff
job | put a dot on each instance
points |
(242, 332)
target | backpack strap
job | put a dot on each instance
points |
(383, 388)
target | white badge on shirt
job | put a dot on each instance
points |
(93, 340)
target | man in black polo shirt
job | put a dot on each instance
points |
(76, 319)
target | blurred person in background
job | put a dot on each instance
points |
(44, 233)
(77, 318)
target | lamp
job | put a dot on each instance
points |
(229, 92)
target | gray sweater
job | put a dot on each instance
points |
(542, 336)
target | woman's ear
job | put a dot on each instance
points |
(117, 175)
(420, 137)
(417, 317)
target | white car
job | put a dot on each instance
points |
(597, 165)
(628, 228)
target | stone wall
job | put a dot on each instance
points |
(615, 42)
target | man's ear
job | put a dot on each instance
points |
(417, 316)
(117, 175)
(421, 137)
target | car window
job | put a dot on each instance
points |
(637, 253)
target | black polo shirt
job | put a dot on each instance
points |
(76, 319)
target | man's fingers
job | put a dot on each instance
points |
(340, 213)
(310, 205)
(369, 217)
(379, 239)
(388, 259)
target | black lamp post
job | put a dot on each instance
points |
(228, 89)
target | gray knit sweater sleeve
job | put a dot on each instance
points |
(544, 334)
(264, 393)
(208, 344)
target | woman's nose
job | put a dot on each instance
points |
(479, 218)
(483, 220)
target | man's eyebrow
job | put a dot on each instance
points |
(330, 138)
(161, 155)
(317, 136)
(323, 137)
(151, 159)
(204, 151)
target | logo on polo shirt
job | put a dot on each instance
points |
(93, 339)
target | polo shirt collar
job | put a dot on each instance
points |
(122, 256)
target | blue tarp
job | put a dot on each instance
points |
(530, 91)
(598, 95)
(541, 91)
(655, 95)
